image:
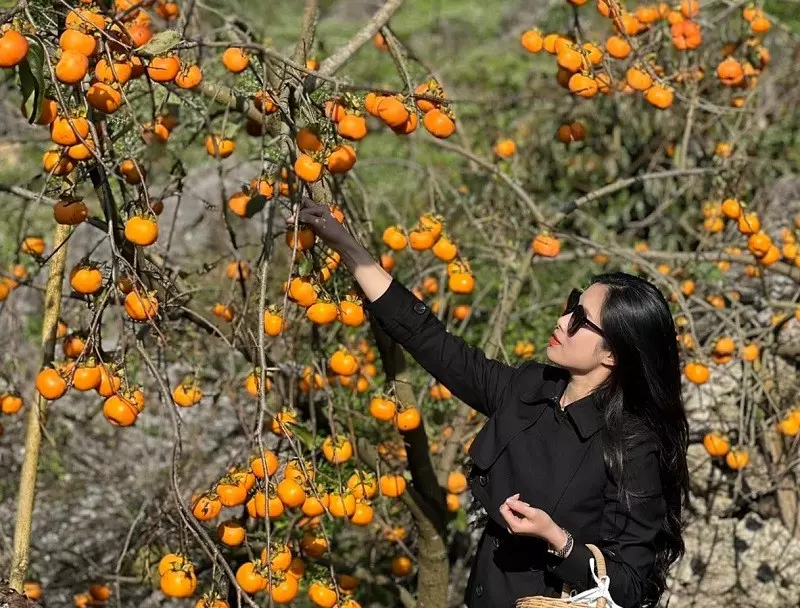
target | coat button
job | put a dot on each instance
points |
(483, 480)
(479, 590)
(420, 308)
(496, 542)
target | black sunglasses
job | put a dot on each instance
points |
(578, 318)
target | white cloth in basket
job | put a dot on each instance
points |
(590, 596)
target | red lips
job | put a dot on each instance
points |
(553, 341)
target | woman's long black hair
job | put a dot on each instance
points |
(643, 395)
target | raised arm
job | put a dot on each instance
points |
(477, 381)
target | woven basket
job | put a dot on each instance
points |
(541, 601)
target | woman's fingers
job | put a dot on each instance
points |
(315, 221)
(512, 521)
(311, 212)
(306, 214)
(307, 204)
(523, 508)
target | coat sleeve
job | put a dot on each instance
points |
(627, 535)
(465, 371)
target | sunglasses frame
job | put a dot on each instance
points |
(578, 312)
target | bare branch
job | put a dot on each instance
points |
(339, 57)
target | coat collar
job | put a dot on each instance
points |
(586, 413)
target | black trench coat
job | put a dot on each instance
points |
(572, 484)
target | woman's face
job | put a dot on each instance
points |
(582, 352)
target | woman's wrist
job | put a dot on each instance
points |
(353, 253)
(369, 274)
(561, 548)
(557, 538)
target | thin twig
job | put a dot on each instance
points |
(340, 56)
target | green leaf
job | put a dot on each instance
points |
(305, 436)
(255, 205)
(174, 110)
(160, 43)
(305, 267)
(31, 79)
(461, 523)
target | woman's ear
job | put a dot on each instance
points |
(609, 360)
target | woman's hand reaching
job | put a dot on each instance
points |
(371, 277)
(320, 219)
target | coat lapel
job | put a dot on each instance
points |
(500, 429)
(514, 418)
(570, 466)
(588, 419)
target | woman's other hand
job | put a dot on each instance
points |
(525, 520)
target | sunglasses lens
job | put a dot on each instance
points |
(575, 322)
(572, 301)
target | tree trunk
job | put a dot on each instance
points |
(37, 415)
(429, 505)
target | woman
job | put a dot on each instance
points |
(591, 450)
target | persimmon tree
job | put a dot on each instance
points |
(650, 161)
